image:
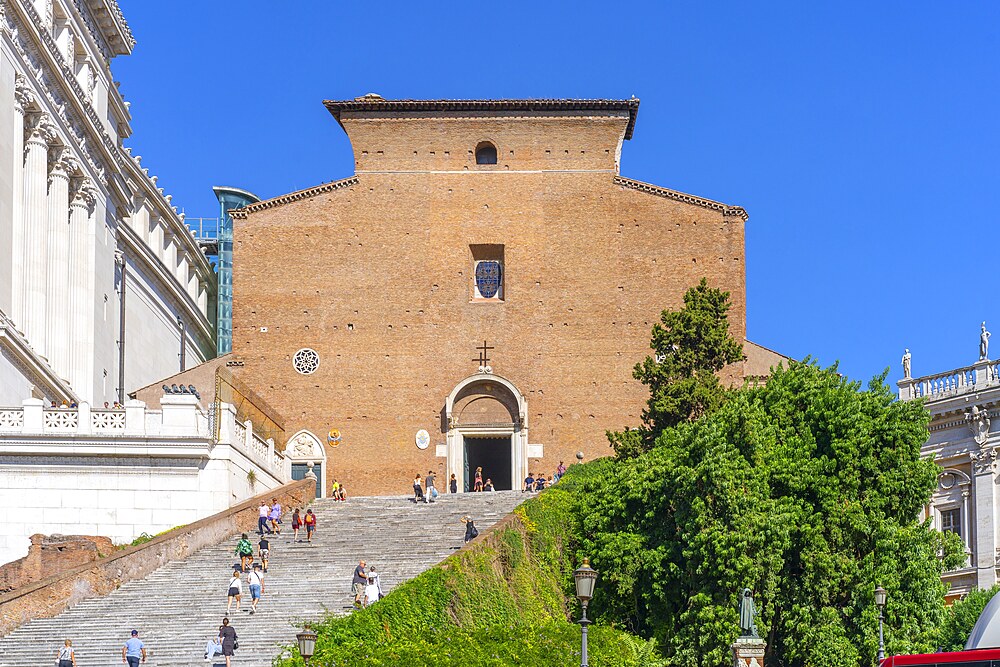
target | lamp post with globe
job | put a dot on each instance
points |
(880, 599)
(585, 577)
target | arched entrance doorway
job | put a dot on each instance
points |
(487, 420)
(305, 451)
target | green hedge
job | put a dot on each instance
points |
(504, 601)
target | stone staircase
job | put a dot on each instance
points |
(177, 608)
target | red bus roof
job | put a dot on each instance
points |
(942, 658)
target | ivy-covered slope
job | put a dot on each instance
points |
(504, 600)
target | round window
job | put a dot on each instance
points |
(306, 361)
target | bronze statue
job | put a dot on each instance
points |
(748, 628)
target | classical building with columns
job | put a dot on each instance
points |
(964, 438)
(102, 287)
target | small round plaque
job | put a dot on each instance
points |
(423, 439)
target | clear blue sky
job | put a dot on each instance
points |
(861, 137)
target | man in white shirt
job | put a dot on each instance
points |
(264, 511)
(256, 581)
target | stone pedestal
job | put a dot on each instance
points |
(749, 652)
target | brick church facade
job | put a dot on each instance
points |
(476, 294)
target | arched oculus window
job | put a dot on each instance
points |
(489, 279)
(486, 153)
(306, 361)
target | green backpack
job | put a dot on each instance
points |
(244, 548)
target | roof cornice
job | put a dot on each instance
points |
(373, 102)
(137, 250)
(241, 213)
(113, 26)
(34, 366)
(725, 209)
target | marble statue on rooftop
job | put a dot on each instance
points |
(984, 343)
(906, 364)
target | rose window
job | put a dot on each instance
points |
(306, 361)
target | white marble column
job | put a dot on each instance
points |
(81, 297)
(40, 132)
(22, 100)
(57, 264)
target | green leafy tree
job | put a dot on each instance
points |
(806, 490)
(962, 617)
(690, 346)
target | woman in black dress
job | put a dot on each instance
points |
(228, 636)
(470, 529)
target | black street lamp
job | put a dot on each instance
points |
(586, 578)
(307, 644)
(880, 598)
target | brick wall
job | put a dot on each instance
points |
(377, 277)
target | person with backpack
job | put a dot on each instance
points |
(245, 551)
(470, 529)
(235, 590)
(227, 634)
(310, 523)
(256, 582)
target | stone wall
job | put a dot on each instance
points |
(51, 596)
(49, 555)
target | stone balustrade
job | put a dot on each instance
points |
(137, 470)
(180, 417)
(977, 377)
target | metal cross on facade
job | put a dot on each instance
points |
(484, 359)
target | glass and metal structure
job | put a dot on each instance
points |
(229, 198)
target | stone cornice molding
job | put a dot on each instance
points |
(15, 347)
(724, 209)
(376, 103)
(241, 213)
(136, 250)
(146, 191)
(106, 23)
